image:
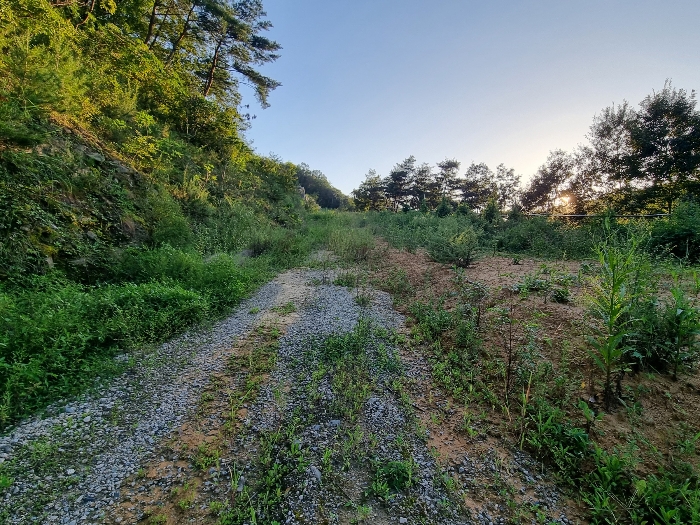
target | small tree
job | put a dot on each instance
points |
(611, 301)
(458, 249)
(444, 209)
(370, 195)
(685, 327)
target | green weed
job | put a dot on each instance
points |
(285, 309)
(611, 301)
(205, 456)
(5, 481)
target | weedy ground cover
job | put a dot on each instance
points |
(58, 334)
(515, 364)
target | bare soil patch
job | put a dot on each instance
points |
(657, 422)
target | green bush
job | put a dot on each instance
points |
(444, 208)
(679, 234)
(229, 229)
(607, 481)
(218, 278)
(459, 248)
(396, 474)
(467, 339)
(55, 334)
(666, 332)
(17, 127)
(535, 235)
(665, 500)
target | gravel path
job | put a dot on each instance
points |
(123, 456)
(388, 431)
(70, 464)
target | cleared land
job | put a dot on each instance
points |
(376, 386)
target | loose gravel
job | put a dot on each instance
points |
(69, 464)
(335, 311)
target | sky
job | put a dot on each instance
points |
(366, 83)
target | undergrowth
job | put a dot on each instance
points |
(488, 354)
(57, 335)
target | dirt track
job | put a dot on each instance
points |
(262, 420)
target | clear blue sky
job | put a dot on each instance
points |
(367, 83)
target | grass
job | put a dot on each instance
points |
(285, 309)
(206, 456)
(58, 335)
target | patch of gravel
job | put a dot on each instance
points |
(69, 464)
(322, 497)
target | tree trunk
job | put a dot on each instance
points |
(160, 26)
(182, 35)
(212, 68)
(91, 8)
(152, 21)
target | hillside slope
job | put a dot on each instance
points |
(127, 187)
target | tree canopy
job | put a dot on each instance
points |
(316, 185)
(636, 160)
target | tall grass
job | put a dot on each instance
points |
(57, 335)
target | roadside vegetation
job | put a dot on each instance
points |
(582, 350)
(564, 318)
(133, 209)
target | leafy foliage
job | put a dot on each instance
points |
(458, 249)
(641, 160)
(611, 302)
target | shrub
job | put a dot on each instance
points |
(467, 339)
(459, 249)
(544, 237)
(680, 233)
(683, 322)
(561, 295)
(554, 438)
(665, 500)
(535, 234)
(444, 208)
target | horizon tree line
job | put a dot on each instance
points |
(635, 160)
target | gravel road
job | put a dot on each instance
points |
(108, 458)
